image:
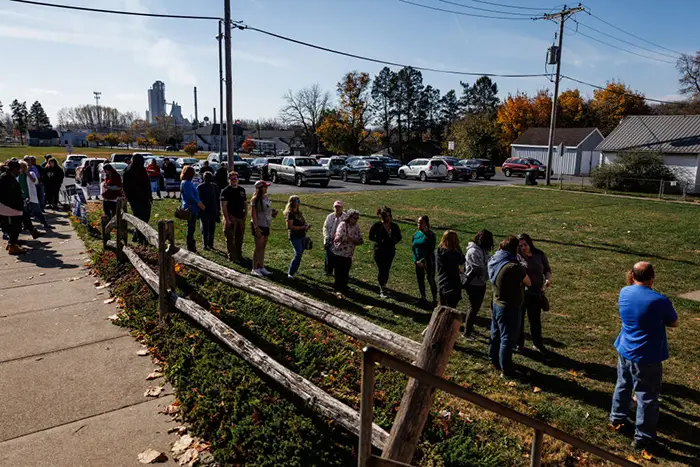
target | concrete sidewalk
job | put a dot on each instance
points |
(71, 383)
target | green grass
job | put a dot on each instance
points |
(59, 152)
(590, 240)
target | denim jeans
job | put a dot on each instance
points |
(329, 264)
(41, 194)
(34, 210)
(645, 380)
(298, 245)
(505, 326)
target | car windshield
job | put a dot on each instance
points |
(306, 163)
(323, 161)
(535, 162)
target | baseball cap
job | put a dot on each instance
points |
(338, 203)
(260, 183)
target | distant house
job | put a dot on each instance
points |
(43, 138)
(675, 137)
(580, 156)
(276, 141)
(76, 139)
(207, 137)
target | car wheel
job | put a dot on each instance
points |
(507, 172)
(324, 184)
(344, 176)
(423, 177)
(363, 178)
(473, 175)
(402, 175)
(275, 177)
(450, 176)
(298, 180)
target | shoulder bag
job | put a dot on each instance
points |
(183, 214)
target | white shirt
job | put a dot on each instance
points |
(329, 228)
(31, 185)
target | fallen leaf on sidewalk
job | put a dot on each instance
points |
(42, 274)
(172, 409)
(30, 278)
(142, 352)
(109, 300)
(182, 444)
(189, 457)
(153, 391)
(154, 375)
(97, 282)
(151, 456)
(178, 429)
(113, 317)
(103, 286)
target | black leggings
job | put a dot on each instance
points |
(342, 266)
(384, 258)
(532, 306)
(476, 298)
(450, 298)
(428, 269)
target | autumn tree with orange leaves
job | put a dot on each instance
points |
(616, 102)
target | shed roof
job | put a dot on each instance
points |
(678, 134)
(571, 137)
(43, 134)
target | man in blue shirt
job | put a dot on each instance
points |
(641, 346)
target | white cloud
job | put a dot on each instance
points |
(48, 92)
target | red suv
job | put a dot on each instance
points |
(518, 166)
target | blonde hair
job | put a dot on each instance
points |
(293, 200)
(450, 241)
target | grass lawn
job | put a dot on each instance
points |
(590, 241)
(59, 152)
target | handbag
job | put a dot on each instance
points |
(544, 301)
(183, 214)
(308, 243)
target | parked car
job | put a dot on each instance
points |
(333, 164)
(238, 164)
(300, 170)
(392, 165)
(518, 166)
(455, 170)
(260, 166)
(72, 162)
(171, 149)
(424, 170)
(481, 168)
(180, 162)
(365, 170)
(88, 161)
(145, 155)
(121, 157)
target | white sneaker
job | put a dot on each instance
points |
(257, 272)
(290, 277)
(265, 271)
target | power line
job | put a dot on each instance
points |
(488, 10)
(623, 49)
(630, 34)
(385, 62)
(461, 13)
(616, 92)
(675, 57)
(116, 12)
(503, 5)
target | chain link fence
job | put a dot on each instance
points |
(639, 187)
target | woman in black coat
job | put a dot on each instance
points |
(53, 180)
(209, 196)
(137, 188)
(450, 264)
(385, 234)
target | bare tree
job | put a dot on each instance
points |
(689, 68)
(304, 108)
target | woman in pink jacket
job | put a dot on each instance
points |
(347, 237)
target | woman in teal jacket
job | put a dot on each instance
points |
(423, 248)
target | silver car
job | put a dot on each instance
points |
(72, 162)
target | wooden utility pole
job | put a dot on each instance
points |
(220, 37)
(229, 78)
(438, 342)
(561, 16)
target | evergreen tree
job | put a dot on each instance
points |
(481, 97)
(38, 120)
(20, 118)
(382, 101)
(449, 109)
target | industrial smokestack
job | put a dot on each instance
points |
(214, 115)
(196, 114)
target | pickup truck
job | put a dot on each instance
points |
(300, 170)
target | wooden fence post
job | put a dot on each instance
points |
(166, 269)
(105, 232)
(122, 232)
(438, 342)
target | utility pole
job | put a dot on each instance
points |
(220, 37)
(561, 16)
(97, 95)
(229, 78)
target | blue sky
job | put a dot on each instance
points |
(59, 57)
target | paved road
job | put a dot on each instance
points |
(339, 186)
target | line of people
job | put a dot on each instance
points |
(26, 191)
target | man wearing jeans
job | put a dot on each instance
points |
(641, 346)
(508, 277)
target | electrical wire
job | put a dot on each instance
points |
(117, 12)
(622, 49)
(462, 5)
(461, 13)
(616, 92)
(630, 34)
(385, 62)
(675, 57)
(503, 5)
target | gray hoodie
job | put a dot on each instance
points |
(477, 265)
